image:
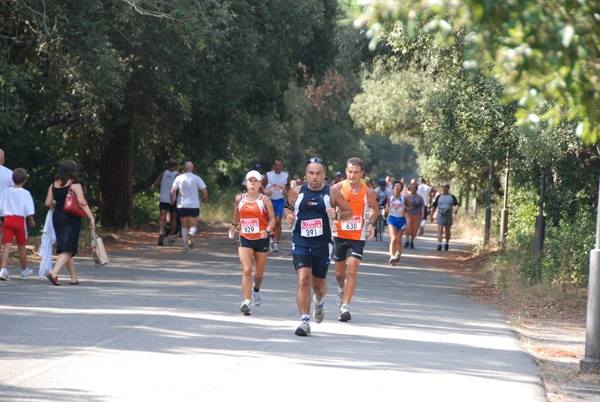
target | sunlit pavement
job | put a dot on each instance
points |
(160, 325)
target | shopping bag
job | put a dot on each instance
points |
(45, 251)
(100, 256)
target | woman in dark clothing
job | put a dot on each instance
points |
(66, 226)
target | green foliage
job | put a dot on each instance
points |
(145, 207)
(541, 51)
(566, 256)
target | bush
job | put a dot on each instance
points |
(145, 207)
(565, 257)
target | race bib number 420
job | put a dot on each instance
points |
(249, 226)
(311, 228)
(353, 224)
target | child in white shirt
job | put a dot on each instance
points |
(16, 204)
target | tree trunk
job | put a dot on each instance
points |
(116, 173)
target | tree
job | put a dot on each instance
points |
(543, 52)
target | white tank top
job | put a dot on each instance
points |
(166, 184)
(276, 183)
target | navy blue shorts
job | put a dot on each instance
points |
(167, 206)
(315, 258)
(258, 245)
(183, 212)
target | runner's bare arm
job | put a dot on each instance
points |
(345, 211)
(236, 217)
(372, 200)
(271, 213)
(158, 179)
(288, 211)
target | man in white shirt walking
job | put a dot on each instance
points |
(188, 203)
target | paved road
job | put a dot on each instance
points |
(160, 325)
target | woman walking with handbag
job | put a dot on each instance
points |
(66, 225)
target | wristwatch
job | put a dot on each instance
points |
(233, 224)
(268, 231)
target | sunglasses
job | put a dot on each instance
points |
(315, 160)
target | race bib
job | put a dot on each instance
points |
(311, 228)
(249, 226)
(353, 224)
(277, 189)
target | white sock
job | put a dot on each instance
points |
(192, 230)
(344, 306)
(161, 233)
(5, 270)
(305, 317)
(340, 289)
(319, 303)
(184, 234)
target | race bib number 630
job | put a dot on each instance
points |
(353, 224)
(311, 228)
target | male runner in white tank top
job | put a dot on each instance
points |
(275, 185)
(165, 182)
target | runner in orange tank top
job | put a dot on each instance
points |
(255, 217)
(350, 234)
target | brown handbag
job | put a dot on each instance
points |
(72, 206)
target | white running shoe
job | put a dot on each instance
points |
(304, 328)
(256, 298)
(340, 297)
(245, 307)
(25, 273)
(276, 246)
(319, 313)
(171, 240)
(186, 249)
(345, 314)
(4, 275)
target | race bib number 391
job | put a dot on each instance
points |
(353, 224)
(249, 226)
(311, 228)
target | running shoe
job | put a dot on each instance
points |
(406, 244)
(439, 247)
(446, 246)
(191, 242)
(393, 261)
(412, 245)
(398, 255)
(4, 275)
(304, 328)
(171, 240)
(245, 308)
(25, 273)
(161, 239)
(186, 249)
(340, 297)
(345, 314)
(276, 246)
(421, 232)
(256, 298)
(319, 312)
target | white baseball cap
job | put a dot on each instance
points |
(253, 173)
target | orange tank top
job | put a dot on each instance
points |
(353, 229)
(253, 217)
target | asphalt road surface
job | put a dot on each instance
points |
(160, 325)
